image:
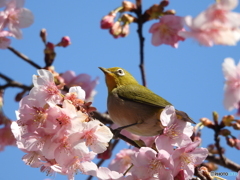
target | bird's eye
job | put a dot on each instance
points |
(120, 72)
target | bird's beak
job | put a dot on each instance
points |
(104, 70)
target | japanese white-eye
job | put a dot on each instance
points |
(131, 103)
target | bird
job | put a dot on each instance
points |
(135, 107)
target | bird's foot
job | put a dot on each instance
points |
(117, 131)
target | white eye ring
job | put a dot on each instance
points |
(120, 72)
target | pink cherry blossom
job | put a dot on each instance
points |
(4, 41)
(166, 31)
(216, 25)
(15, 17)
(104, 173)
(176, 132)
(122, 160)
(82, 80)
(45, 90)
(187, 157)
(148, 163)
(95, 134)
(56, 131)
(232, 85)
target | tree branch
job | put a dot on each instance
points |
(141, 40)
(229, 164)
(12, 83)
(25, 58)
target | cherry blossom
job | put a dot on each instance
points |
(187, 157)
(106, 174)
(82, 80)
(4, 41)
(15, 17)
(216, 25)
(148, 163)
(166, 31)
(55, 130)
(232, 85)
(176, 132)
(122, 160)
(45, 90)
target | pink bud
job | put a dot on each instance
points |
(50, 46)
(105, 155)
(108, 21)
(125, 30)
(116, 29)
(66, 41)
(128, 6)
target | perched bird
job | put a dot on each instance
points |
(133, 105)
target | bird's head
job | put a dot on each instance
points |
(116, 77)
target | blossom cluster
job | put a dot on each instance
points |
(58, 134)
(216, 25)
(13, 18)
(171, 155)
(56, 130)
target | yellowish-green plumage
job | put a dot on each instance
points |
(129, 103)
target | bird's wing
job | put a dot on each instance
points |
(141, 94)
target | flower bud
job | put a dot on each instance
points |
(169, 12)
(230, 141)
(49, 54)
(116, 29)
(105, 155)
(65, 41)
(127, 18)
(225, 132)
(19, 96)
(125, 30)
(164, 3)
(155, 11)
(108, 21)
(43, 35)
(227, 120)
(206, 122)
(236, 126)
(210, 166)
(128, 6)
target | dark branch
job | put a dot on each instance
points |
(12, 83)
(140, 22)
(229, 164)
(103, 117)
(25, 58)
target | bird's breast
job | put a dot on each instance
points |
(125, 112)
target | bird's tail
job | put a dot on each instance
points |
(182, 115)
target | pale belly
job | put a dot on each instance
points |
(124, 112)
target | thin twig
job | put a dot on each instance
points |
(129, 141)
(217, 138)
(24, 57)
(12, 83)
(141, 40)
(229, 165)
(103, 117)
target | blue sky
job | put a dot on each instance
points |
(189, 77)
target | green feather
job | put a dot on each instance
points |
(141, 94)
